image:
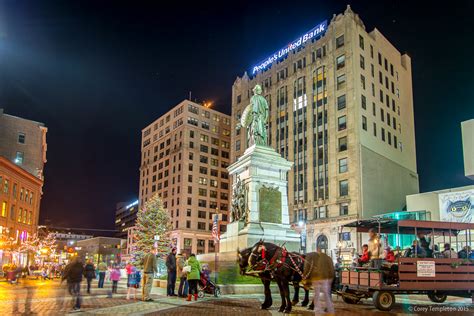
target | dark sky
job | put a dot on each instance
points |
(97, 72)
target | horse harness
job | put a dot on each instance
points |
(279, 260)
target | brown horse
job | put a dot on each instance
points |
(267, 274)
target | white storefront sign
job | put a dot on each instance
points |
(425, 269)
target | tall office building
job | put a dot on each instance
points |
(341, 108)
(184, 158)
(23, 142)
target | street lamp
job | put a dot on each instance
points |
(302, 225)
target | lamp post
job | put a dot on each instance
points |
(302, 225)
(216, 242)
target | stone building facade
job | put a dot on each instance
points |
(23, 142)
(341, 109)
(184, 156)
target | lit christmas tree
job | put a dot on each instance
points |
(153, 220)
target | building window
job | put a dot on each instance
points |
(21, 138)
(202, 214)
(341, 102)
(340, 41)
(362, 81)
(341, 122)
(19, 158)
(340, 62)
(362, 62)
(375, 129)
(364, 123)
(201, 226)
(361, 42)
(343, 188)
(342, 165)
(363, 101)
(204, 148)
(374, 109)
(322, 212)
(4, 209)
(383, 134)
(188, 225)
(389, 138)
(343, 143)
(341, 81)
(343, 209)
(237, 145)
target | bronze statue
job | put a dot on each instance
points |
(238, 206)
(255, 117)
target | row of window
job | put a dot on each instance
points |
(24, 216)
(320, 212)
(23, 194)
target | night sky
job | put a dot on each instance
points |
(97, 72)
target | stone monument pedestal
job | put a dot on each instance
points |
(263, 172)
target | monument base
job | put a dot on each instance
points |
(240, 236)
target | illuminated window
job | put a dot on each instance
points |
(20, 213)
(4, 209)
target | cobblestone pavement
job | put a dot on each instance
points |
(37, 297)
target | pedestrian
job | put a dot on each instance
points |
(115, 277)
(193, 276)
(374, 244)
(320, 274)
(73, 276)
(183, 280)
(128, 270)
(102, 270)
(149, 270)
(171, 267)
(89, 274)
(133, 283)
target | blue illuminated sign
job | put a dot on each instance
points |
(314, 32)
(132, 204)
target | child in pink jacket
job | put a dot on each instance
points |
(115, 277)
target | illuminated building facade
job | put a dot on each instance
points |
(341, 109)
(125, 217)
(184, 157)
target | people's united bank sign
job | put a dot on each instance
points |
(313, 33)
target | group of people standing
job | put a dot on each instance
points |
(189, 273)
(76, 270)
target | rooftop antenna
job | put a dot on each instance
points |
(190, 96)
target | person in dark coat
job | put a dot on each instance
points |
(171, 266)
(89, 274)
(73, 275)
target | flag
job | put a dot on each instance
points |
(215, 228)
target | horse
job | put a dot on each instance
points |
(266, 274)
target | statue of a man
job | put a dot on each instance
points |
(255, 117)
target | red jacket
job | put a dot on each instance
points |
(365, 257)
(390, 257)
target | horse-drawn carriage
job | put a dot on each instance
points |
(435, 276)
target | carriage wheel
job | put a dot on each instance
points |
(383, 300)
(437, 297)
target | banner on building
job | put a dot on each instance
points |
(456, 206)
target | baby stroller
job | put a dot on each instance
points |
(205, 285)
